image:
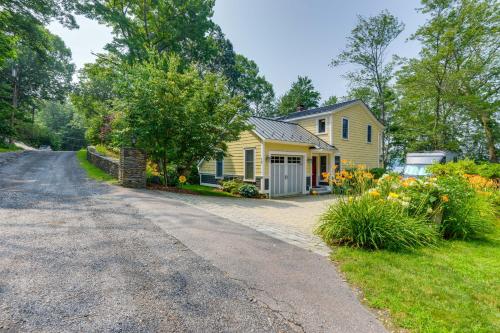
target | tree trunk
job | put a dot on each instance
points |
(490, 140)
(15, 101)
(164, 167)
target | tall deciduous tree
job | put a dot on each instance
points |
(367, 49)
(331, 100)
(177, 116)
(456, 79)
(257, 92)
(302, 94)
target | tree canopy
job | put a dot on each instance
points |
(302, 94)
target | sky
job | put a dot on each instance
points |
(286, 38)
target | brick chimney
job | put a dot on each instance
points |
(300, 107)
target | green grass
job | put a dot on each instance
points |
(453, 287)
(207, 190)
(8, 148)
(93, 171)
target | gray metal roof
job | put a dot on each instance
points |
(318, 110)
(270, 129)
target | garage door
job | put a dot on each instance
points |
(287, 175)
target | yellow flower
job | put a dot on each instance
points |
(182, 179)
(325, 175)
(445, 198)
(393, 196)
(374, 193)
(344, 161)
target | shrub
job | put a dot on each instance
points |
(232, 186)
(466, 213)
(487, 170)
(371, 223)
(248, 191)
(377, 172)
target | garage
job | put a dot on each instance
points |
(287, 175)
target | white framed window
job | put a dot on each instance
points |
(249, 164)
(345, 128)
(219, 167)
(321, 125)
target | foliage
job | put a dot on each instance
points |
(466, 214)
(248, 191)
(330, 101)
(302, 94)
(450, 94)
(6, 147)
(487, 170)
(366, 49)
(105, 151)
(91, 170)
(354, 179)
(377, 172)
(178, 117)
(372, 223)
(232, 186)
(66, 128)
(451, 287)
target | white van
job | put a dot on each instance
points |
(417, 163)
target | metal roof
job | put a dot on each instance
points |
(322, 109)
(271, 129)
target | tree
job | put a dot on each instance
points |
(257, 92)
(366, 48)
(177, 116)
(301, 95)
(29, 54)
(455, 81)
(330, 101)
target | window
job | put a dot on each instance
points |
(321, 125)
(337, 163)
(219, 167)
(250, 164)
(369, 134)
(322, 164)
(345, 128)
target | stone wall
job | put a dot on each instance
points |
(132, 167)
(107, 164)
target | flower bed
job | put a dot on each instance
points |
(397, 213)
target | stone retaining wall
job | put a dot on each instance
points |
(107, 164)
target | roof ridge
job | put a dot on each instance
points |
(277, 120)
(332, 106)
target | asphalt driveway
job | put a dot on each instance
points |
(76, 255)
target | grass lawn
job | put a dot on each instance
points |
(207, 190)
(454, 287)
(8, 148)
(93, 171)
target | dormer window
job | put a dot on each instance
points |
(322, 125)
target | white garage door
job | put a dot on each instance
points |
(287, 175)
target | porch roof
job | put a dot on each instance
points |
(270, 129)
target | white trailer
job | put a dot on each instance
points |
(417, 163)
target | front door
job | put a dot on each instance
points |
(287, 175)
(314, 174)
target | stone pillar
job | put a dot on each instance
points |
(132, 171)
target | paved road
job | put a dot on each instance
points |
(76, 255)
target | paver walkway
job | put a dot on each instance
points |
(291, 220)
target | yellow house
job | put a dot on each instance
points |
(287, 155)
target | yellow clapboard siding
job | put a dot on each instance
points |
(311, 125)
(356, 149)
(234, 160)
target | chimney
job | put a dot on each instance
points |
(300, 107)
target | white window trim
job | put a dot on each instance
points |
(222, 176)
(245, 165)
(317, 126)
(371, 134)
(342, 128)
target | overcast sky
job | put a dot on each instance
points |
(286, 38)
